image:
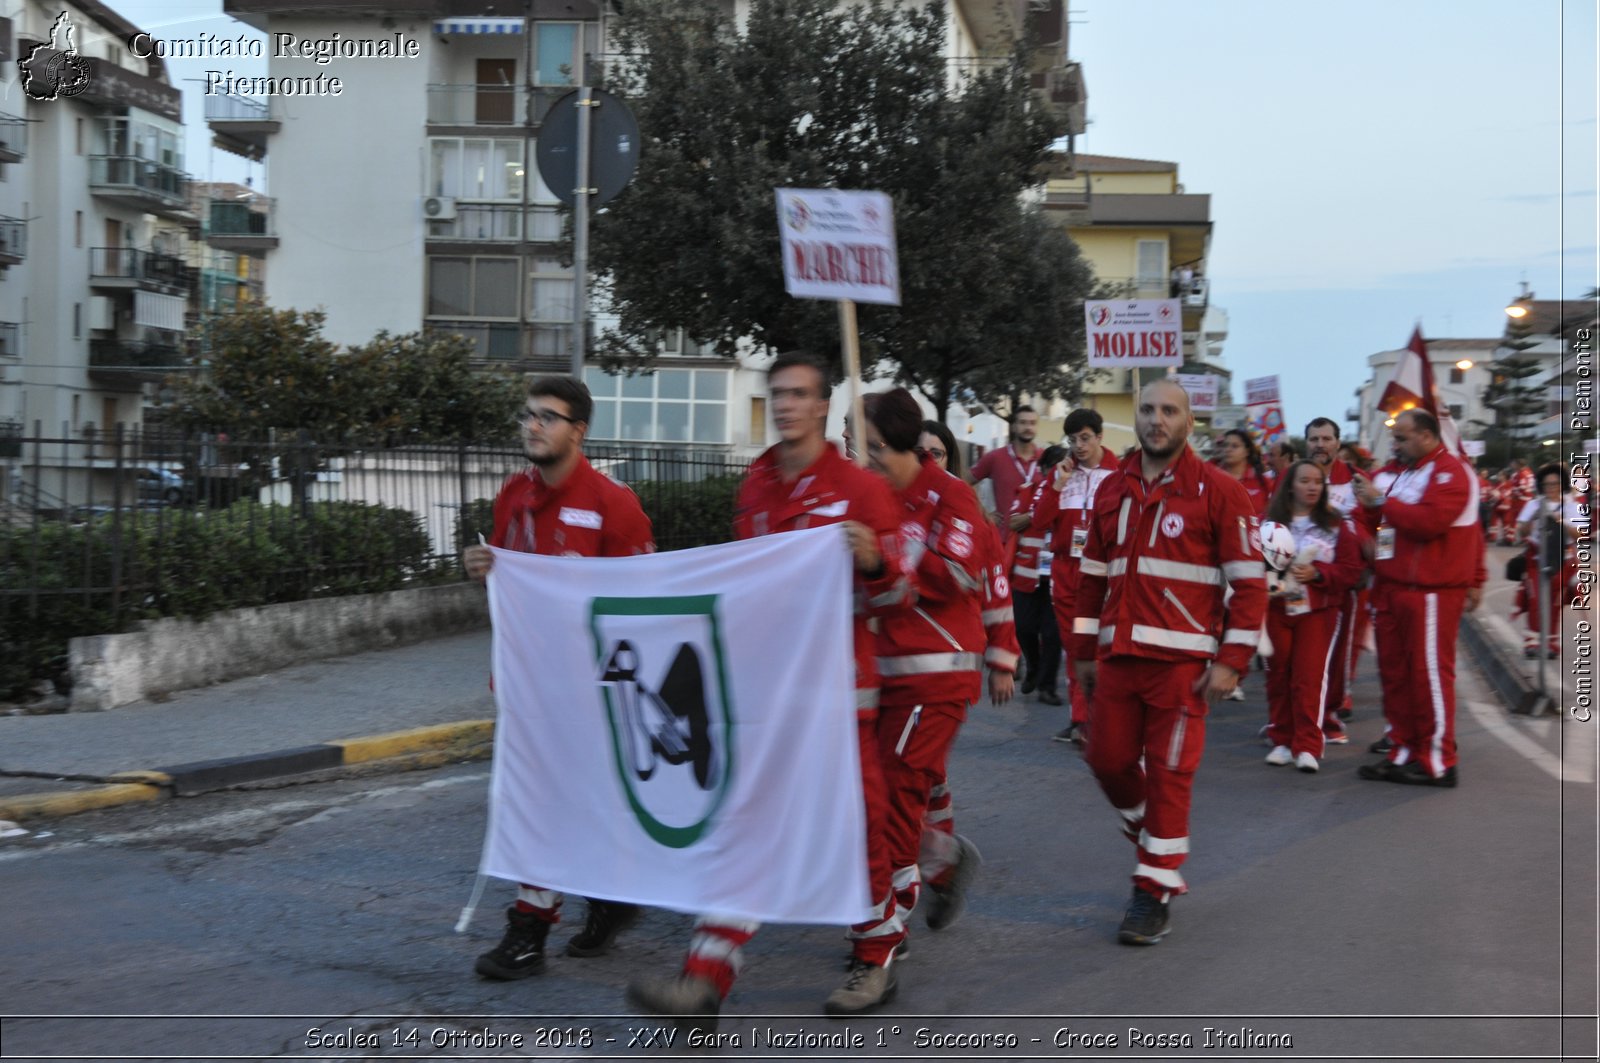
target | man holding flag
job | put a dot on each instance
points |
(1428, 558)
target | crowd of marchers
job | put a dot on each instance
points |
(1159, 579)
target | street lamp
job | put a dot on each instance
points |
(1464, 364)
(1516, 310)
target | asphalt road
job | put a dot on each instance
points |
(1352, 919)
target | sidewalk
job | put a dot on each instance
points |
(412, 706)
(424, 703)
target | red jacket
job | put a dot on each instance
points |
(1065, 512)
(1341, 487)
(934, 651)
(999, 616)
(833, 489)
(588, 515)
(1258, 488)
(1026, 547)
(1432, 507)
(1339, 568)
(1153, 571)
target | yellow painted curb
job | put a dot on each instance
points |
(149, 778)
(33, 806)
(444, 737)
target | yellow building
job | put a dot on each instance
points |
(1145, 238)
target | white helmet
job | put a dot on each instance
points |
(1277, 545)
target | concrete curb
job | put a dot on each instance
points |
(1503, 671)
(418, 747)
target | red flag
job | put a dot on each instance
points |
(1413, 386)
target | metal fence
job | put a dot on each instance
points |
(121, 525)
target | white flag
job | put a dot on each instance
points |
(679, 729)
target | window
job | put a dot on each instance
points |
(557, 58)
(1457, 375)
(758, 420)
(544, 219)
(77, 320)
(550, 292)
(472, 287)
(1455, 411)
(667, 406)
(676, 342)
(78, 136)
(1152, 264)
(77, 228)
(479, 168)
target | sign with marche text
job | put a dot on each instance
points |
(679, 729)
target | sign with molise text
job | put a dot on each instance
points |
(1134, 334)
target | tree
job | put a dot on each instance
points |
(1518, 404)
(814, 94)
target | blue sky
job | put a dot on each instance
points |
(1372, 164)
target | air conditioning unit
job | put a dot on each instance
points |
(439, 208)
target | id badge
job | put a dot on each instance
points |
(1080, 536)
(1385, 543)
(1296, 603)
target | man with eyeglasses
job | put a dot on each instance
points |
(559, 506)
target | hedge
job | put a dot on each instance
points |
(683, 513)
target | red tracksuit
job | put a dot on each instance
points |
(1298, 672)
(1258, 488)
(1066, 513)
(1429, 553)
(829, 491)
(1342, 497)
(588, 515)
(1150, 607)
(930, 658)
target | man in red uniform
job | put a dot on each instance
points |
(1064, 509)
(560, 505)
(804, 482)
(1429, 561)
(1322, 446)
(1009, 468)
(1037, 631)
(1169, 531)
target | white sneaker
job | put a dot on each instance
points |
(1279, 756)
(1305, 762)
(1236, 694)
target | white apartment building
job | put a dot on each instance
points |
(1462, 369)
(93, 284)
(411, 199)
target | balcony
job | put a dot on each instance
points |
(13, 138)
(222, 292)
(494, 106)
(140, 184)
(240, 124)
(126, 362)
(128, 268)
(489, 222)
(492, 341)
(242, 225)
(13, 241)
(10, 339)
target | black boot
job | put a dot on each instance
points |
(606, 920)
(521, 952)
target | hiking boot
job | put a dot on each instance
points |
(1414, 774)
(1382, 771)
(901, 951)
(948, 900)
(1306, 763)
(521, 952)
(1279, 756)
(606, 920)
(866, 988)
(1383, 747)
(693, 1001)
(1146, 920)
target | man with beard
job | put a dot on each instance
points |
(1009, 468)
(562, 506)
(1153, 643)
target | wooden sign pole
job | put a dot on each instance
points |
(850, 343)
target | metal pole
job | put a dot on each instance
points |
(851, 346)
(580, 236)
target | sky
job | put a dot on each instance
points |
(1372, 165)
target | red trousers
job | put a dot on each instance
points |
(1359, 628)
(1416, 632)
(1298, 676)
(1343, 654)
(1528, 599)
(1149, 709)
(715, 948)
(913, 745)
(1061, 599)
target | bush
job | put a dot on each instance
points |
(683, 513)
(59, 581)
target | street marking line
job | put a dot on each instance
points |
(1494, 720)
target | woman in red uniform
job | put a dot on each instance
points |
(1553, 502)
(1303, 614)
(1240, 458)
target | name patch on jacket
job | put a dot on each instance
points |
(580, 518)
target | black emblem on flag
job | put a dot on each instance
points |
(670, 723)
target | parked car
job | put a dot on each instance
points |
(162, 485)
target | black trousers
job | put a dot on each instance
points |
(1036, 630)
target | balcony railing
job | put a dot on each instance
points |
(498, 221)
(140, 181)
(13, 240)
(146, 361)
(13, 138)
(224, 107)
(490, 105)
(241, 224)
(10, 339)
(142, 268)
(492, 341)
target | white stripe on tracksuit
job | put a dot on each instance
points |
(1435, 754)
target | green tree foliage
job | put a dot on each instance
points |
(816, 95)
(1518, 404)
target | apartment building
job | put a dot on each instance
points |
(1462, 369)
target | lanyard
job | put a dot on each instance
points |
(1024, 471)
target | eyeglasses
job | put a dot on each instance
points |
(546, 417)
(931, 452)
